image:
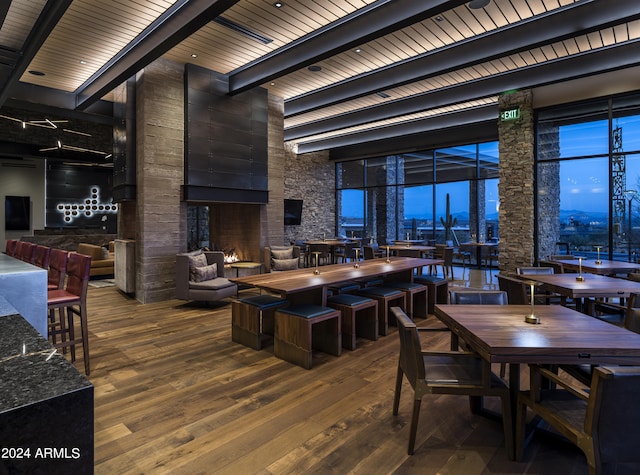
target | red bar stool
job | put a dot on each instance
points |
(10, 248)
(41, 256)
(73, 299)
(57, 269)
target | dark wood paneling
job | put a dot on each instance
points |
(226, 140)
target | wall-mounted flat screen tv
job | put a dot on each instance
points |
(292, 212)
(17, 213)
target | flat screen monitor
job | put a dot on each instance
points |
(292, 212)
(17, 213)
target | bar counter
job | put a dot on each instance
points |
(46, 404)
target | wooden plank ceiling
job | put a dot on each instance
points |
(449, 59)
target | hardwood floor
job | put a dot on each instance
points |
(174, 394)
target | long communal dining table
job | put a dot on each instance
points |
(305, 286)
(499, 334)
(591, 286)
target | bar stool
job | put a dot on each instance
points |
(359, 317)
(386, 298)
(57, 269)
(437, 289)
(41, 256)
(73, 295)
(300, 328)
(10, 247)
(252, 319)
(416, 295)
(344, 288)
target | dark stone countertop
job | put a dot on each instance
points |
(30, 369)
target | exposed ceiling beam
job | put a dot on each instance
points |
(585, 64)
(468, 116)
(176, 24)
(49, 17)
(560, 70)
(575, 19)
(367, 24)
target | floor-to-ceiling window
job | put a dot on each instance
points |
(588, 179)
(406, 195)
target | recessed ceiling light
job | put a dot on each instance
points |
(36, 73)
(272, 84)
(278, 4)
(82, 61)
(315, 68)
(357, 50)
(477, 4)
(439, 19)
(193, 55)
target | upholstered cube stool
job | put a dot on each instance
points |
(252, 319)
(416, 295)
(438, 289)
(344, 288)
(301, 328)
(370, 282)
(359, 317)
(386, 298)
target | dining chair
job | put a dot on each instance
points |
(442, 372)
(480, 297)
(446, 254)
(371, 251)
(70, 301)
(516, 289)
(346, 252)
(542, 296)
(319, 252)
(584, 372)
(603, 422)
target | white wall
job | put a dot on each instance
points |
(22, 178)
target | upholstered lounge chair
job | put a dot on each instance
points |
(200, 276)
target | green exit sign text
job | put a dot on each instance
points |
(512, 113)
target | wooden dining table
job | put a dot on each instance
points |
(602, 267)
(305, 286)
(593, 286)
(478, 246)
(499, 334)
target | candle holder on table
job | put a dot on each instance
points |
(388, 256)
(532, 317)
(580, 277)
(598, 261)
(316, 271)
(357, 263)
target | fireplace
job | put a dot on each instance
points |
(234, 228)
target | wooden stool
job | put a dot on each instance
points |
(252, 319)
(438, 289)
(416, 295)
(359, 317)
(386, 298)
(300, 328)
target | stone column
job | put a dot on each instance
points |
(161, 216)
(516, 188)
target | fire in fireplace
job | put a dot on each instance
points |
(230, 256)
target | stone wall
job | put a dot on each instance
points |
(516, 188)
(310, 177)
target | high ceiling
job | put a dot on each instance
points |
(350, 71)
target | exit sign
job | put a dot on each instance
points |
(512, 113)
